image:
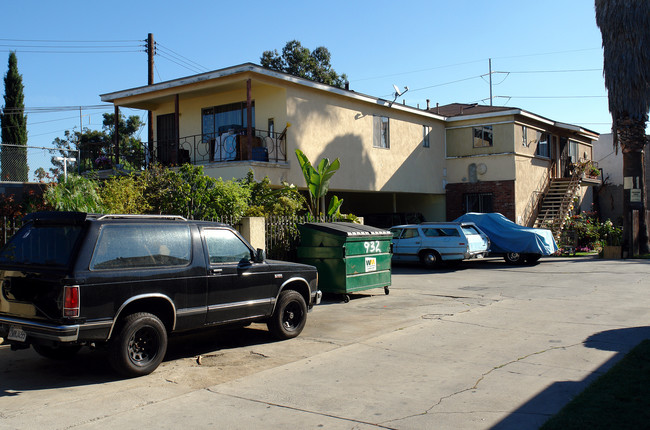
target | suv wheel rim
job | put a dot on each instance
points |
(143, 346)
(292, 316)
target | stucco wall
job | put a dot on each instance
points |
(333, 127)
(460, 137)
(531, 180)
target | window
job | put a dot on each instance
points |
(41, 245)
(219, 119)
(271, 125)
(478, 202)
(410, 233)
(573, 151)
(432, 232)
(470, 230)
(482, 136)
(524, 136)
(131, 246)
(381, 132)
(543, 145)
(451, 232)
(225, 247)
(425, 136)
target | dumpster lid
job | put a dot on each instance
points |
(346, 229)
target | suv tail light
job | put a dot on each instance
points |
(71, 301)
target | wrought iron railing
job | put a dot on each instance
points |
(203, 148)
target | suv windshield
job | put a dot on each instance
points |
(49, 245)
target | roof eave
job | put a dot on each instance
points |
(254, 68)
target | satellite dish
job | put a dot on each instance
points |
(398, 93)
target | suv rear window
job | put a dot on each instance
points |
(128, 246)
(49, 245)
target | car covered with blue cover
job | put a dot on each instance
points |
(517, 244)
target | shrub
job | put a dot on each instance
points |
(77, 193)
(589, 232)
(124, 195)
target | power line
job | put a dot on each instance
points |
(69, 46)
(28, 51)
(188, 67)
(555, 97)
(558, 71)
(67, 41)
(418, 71)
(547, 53)
(52, 109)
(478, 61)
(179, 56)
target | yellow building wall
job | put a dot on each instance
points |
(460, 138)
(327, 126)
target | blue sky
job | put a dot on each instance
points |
(548, 53)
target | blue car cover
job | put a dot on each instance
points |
(506, 236)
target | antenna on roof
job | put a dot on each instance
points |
(397, 94)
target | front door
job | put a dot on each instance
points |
(167, 145)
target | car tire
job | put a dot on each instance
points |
(139, 346)
(430, 259)
(62, 352)
(514, 258)
(289, 317)
(532, 258)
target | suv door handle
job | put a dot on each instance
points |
(215, 271)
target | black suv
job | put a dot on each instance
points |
(71, 279)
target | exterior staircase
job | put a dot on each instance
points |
(557, 203)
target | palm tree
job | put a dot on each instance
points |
(625, 28)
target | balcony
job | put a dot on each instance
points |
(199, 149)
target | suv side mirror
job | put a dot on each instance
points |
(260, 255)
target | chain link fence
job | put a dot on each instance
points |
(19, 163)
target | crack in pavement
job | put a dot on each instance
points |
(307, 411)
(479, 380)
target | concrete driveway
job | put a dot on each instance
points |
(480, 345)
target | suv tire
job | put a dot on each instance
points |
(139, 346)
(290, 315)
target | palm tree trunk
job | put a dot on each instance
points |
(631, 135)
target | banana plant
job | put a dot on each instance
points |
(318, 181)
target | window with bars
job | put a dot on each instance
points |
(478, 202)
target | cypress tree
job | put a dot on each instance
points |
(13, 158)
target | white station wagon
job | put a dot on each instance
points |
(433, 242)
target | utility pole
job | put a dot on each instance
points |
(150, 53)
(81, 130)
(490, 67)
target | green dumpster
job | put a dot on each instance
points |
(349, 257)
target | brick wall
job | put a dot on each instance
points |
(503, 199)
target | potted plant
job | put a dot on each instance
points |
(611, 236)
(592, 171)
